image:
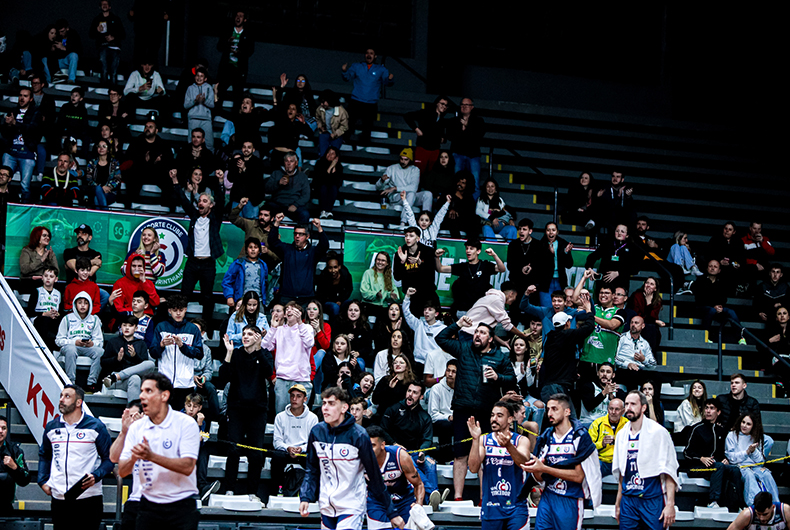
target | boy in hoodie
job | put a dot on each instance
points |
(44, 306)
(126, 358)
(291, 429)
(193, 407)
(73, 119)
(246, 274)
(176, 344)
(82, 284)
(426, 328)
(80, 334)
(132, 282)
(198, 101)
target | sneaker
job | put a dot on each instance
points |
(445, 494)
(695, 271)
(435, 500)
(254, 498)
(590, 225)
(92, 388)
(742, 342)
(229, 493)
(109, 380)
(458, 499)
(212, 488)
(713, 504)
(329, 215)
(683, 291)
(323, 215)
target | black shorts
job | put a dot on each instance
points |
(461, 428)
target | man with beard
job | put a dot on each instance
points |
(647, 480)
(566, 459)
(596, 395)
(257, 228)
(484, 374)
(197, 154)
(613, 205)
(150, 159)
(71, 446)
(245, 171)
(83, 249)
(404, 177)
(290, 189)
(500, 453)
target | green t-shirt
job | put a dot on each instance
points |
(601, 346)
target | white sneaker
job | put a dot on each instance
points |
(229, 493)
(323, 215)
(435, 500)
(590, 225)
(254, 498)
(695, 271)
(213, 488)
(714, 504)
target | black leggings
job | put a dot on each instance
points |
(245, 426)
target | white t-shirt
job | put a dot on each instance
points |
(202, 248)
(178, 436)
(436, 362)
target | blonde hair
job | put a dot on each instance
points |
(141, 248)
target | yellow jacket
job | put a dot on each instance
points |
(601, 428)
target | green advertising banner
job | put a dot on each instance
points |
(115, 235)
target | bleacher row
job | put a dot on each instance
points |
(685, 176)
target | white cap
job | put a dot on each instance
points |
(560, 319)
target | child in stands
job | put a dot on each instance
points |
(83, 283)
(44, 307)
(427, 223)
(79, 334)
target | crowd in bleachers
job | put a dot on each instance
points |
(294, 330)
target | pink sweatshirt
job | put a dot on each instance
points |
(293, 344)
(489, 310)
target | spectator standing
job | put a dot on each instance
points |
(108, 32)
(415, 267)
(246, 275)
(579, 200)
(747, 445)
(115, 114)
(398, 345)
(299, 261)
(425, 329)
(613, 205)
(387, 324)
(148, 17)
(428, 124)
(466, 131)
(493, 213)
(245, 171)
(290, 189)
(440, 407)
(332, 122)
(126, 359)
(21, 129)
(618, 258)
(248, 369)
(368, 79)
(289, 127)
(327, 178)
(149, 157)
(604, 431)
(236, 52)
(258, 228)
(736, 403)
(759, 252)
(691, 409)
(79, 334)
(245, 124)
(602, 344)
(404, 177)
(340, 354)
(13, 469)
(63, 465)
(45, 105)
(559, 259)
(291, 431)
(474, 275)
(525, 255)
(198, 102)
(492, 310)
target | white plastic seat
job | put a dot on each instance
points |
(332, 223)
(154, 208)
(361, 168)
(362, 186)
(669, 390)
(64, 87)
(364, 205)
(101, 91)
(261, 91)
(605, 510)
(378, 150)
(378, 134)
(112, 424)
(701, 512)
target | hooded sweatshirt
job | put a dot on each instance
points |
(489, 310)
(128, 285)
(74, 328)
(293, 431)
(177, 362)
(77, 286)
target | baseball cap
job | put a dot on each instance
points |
(560, 319)
(300, 388)
(84, 228)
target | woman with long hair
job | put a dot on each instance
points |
(377, 289)
(647, 304)
(692, 409)
(578, 210)
(314, 315)
(155, 260)
(655, 410)
(779, 341)
(391, 321)
(354, 323)
(526, 364)
(399, 345)
(558, 252)
(747, 445)
(440, 180)
(102, 176)
(340, 353)
(301, 95)
(493, 213)
(392, 388)
(327, 177)
(249, 313)
(680, 254)
(37, 255)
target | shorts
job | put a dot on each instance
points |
(518, 520)
(461, 429)
(377, 514)
(342, 522)
(556, 512)
(636, 512)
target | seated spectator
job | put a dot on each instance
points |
(526, 356)
(116, 114)
(358, 407)
(334, 285)
(7, 194)
(82, 284)
(37, 256)
(340, 354)
(655, 410)
(377, 290)
(246, 274)
(747, 446)
(680, 254)
(410, 426)
(440, 179)
(385, 325)
(618, 259)
(116, 149)
(299, 261)
(493, 213)
(771, 294)
(283, 138)
(691, 409)
(403, 177)
(73, 120)
(647, 303)
(126, 359)
(300, 95)
(354, 323)
(332, 122)
(140, 304)
(244, 125)
(292, 429)
(65, 54)
(655, 251)
(440, 407)
(559, 259)
(427, 224)
(249, 313)
(579, 201)
(44, 307)
(148, 159)
(461, 213)
(245, 171)
(61, 186)
(176, 344)
(327, 178)
(131, 283)
(398, 346)
(414, 267)
(392, 388)
(428, 123)
(102, 177)
(21, 130)
(198, 102)
(728, 250)
(603, 432)
(596, 396)
(736, 403)
(759, 253)
(79, 334)
(248, 370)
(151, 251)
(425, 328)
(290, 189)
(197, 154)
(204, 371)
(710, 293)
(545, 314)
(613, 205)
(779, 341)
(634, 355)
(293, 340)
(474, 275)
(706, 449)
(492, 310)
(83, 249)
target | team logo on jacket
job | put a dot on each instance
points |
(344, 452)
(80, 435)
(173, 241)
(167, 444)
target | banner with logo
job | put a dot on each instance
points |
(115, 235)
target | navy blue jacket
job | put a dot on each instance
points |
(298, 265)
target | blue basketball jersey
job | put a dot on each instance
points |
(397, 484)
(777, 523)
(633, 483)
(567, 452)
(502, 480)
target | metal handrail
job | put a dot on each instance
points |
(745, 331)
(408, 68)
(671, 290)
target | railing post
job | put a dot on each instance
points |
(721, 355)
(491, 162)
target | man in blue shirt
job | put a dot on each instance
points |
(368, 79)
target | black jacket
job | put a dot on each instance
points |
(708, 293)
(417, 275)
(247, 183)
(110, 362)
(215, 223)
(466, 142)
(559, 351)
(114, 28)
(719, 248)
(706, 440)
(470, 391)
(564, 262)
(431, 125)
(520, 255)
(326, 291)
(31, 130)
(627, 261)
(732, 408)
(10, 479)
(410, 427)
(248, 375)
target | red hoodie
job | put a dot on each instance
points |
(128, 284)
(75, 287)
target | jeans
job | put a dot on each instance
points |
(427, 471)
(250, 211)
(27, 61)
(720, 473)
(319, 374)
(109, 58)
(472, 165)
(536, 414)
(41, 158)
(281, 396)
(509, 232)
(327, 199)
(70, 353)
(25, 167)
(99, 199)
(325, 141)
(753, 477)
(69, 62)
(710, 314)
(545, 298)
(332, 309)
(203, 271)
(129, 379)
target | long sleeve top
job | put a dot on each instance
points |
(248, 375)
(466, 141)
(440, 401)
(649, 313)
(296, 192)
(680, 255)
(628, 347)
(489, 310)
(430, 124)
(686, 416)
(424, 333)
(203, 109)
(737, 444)
(368, 81)
(372, 284)
(403, 178)
(429, 235)
(298, 265)
(293, 345)
(136, 80)
(31, 264)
